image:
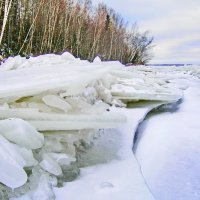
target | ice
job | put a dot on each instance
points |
(56, 102)
(78, 103)
(109, 80)
(72, 78)
(72, 102)
(129, 93)
(12, 63)
(115, 64)
(115, 179)
(11, 165)
(12, 151)
(50, 165)
(97, 60)
(24, 157)
(98, 108)
(62, 159)
(52, 142)
(68, 56)
(27, 155)
(40, 79)
(79, 122)
(90, 94)
(43, 190)
(20, 132)
(40, 106)
(104, 93)
(59, 121)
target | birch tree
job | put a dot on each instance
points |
(5, 6)
(33, 27)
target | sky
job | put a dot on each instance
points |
(174, 24)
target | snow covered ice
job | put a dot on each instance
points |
(176, 147)
(67, 125)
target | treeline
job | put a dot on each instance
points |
(33, 27)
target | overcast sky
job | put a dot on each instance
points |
(175, 25)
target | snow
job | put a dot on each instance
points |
(175, 146)
(61, 116)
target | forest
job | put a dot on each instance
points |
(35, 27)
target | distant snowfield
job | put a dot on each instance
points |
(61, 116)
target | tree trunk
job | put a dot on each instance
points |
(7, 7)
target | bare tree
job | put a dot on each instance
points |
(6, 8)
(45, 26)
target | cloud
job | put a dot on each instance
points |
(178, 50)
(174, 33)
(173, 23)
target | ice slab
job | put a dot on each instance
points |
(22, 133)
(56, 102)
(51, 121)
(27, 155)
(35, 80)
(50, 165)
(12, 173)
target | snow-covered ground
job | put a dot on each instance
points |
(168, 151)
(61, 116)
